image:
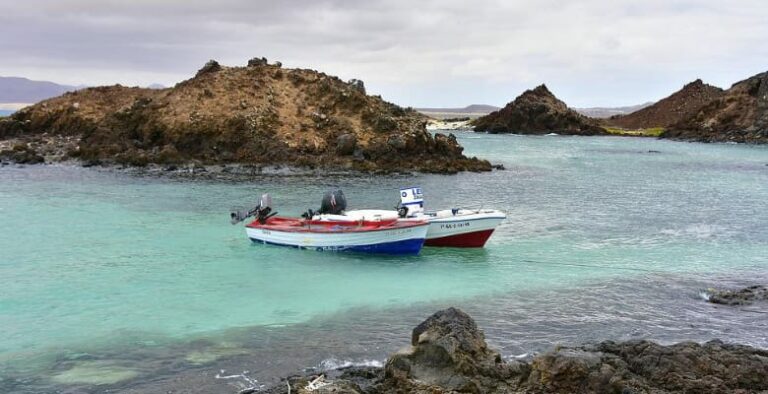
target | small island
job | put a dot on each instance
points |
(260, 114)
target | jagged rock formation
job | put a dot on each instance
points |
(738, 115)
(670, 110)
(449, 355)
(537, 111)
(259, 114)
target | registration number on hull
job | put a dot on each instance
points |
(455, 225)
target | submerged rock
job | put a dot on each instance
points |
(448, 354)
(95, 373)
(740, 297)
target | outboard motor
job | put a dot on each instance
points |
(411, 202)
(333, 203)
(263, 211)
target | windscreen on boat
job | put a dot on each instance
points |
(333, 203)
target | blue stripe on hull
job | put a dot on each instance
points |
(405, 247)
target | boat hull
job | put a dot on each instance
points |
(448, 228)
(395, 241)
(461, 232)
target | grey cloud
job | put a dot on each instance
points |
(413, 52)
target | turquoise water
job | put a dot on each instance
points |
(94, 260)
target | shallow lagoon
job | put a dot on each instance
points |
(112, 280)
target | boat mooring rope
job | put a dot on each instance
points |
(588, 266)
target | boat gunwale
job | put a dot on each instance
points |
(334, 227)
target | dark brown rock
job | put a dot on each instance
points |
(448, 351)
(257, 61)
(738, 115)
(210, 67)
(670, 110)
(538, 111)
(22, 154)
(449, 355)
(346, 144)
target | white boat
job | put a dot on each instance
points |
(460, 228)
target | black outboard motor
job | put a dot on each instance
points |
(333, 203)
(263, 211)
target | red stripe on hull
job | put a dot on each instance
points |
(475, 239)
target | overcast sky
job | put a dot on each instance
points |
(415, 53)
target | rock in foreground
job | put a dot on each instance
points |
(449, 355)
(538, 111)
(259, 114)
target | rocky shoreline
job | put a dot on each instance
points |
(49, 149)
(448, 354)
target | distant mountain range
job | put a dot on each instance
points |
(470, 109)
(23, 90)
(476, 110)
(607, 112)
(17, 90)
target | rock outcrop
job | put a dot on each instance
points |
(670, 110)
(738, 115)
(538, 111)
(261, 114)
(449, 355)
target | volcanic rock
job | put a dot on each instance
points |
(21, 154)
(258, 115)
(210, 67)
(257, 61)
(670, 110)
(345, 144)
(538, 111)
(449, 355)
(448, 351)
(738, 115)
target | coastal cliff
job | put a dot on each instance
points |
(448, 354)
(740, 114)
(538, 111)
(261, 114)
